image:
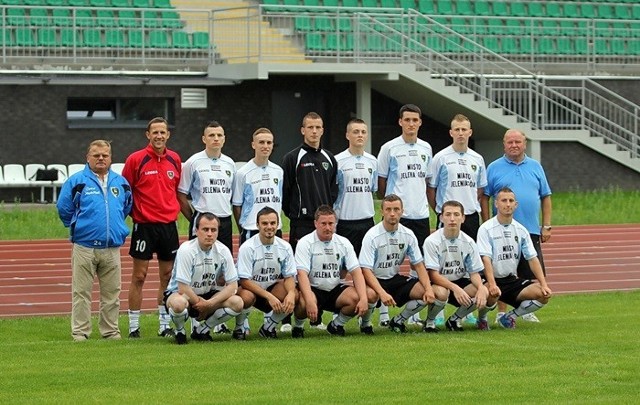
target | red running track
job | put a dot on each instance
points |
(35, 276)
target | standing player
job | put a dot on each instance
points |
(502, 242)
(208, 178)
(454, 266)
(526, 177)
(320, 257)
(384, 248)
(459, 174)
(357, 181)
(309, 176)
(267, 270)
(258, 184)
(403, 165)
(196, 288)
(154, 174)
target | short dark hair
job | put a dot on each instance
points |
(505, 190)
(311, 116)
(392, 198)
(324, 209)
(208, 215)
(453, 203)
(355, 121)
(409, 108)
(213, 124)
(266, 211)
(157, 120)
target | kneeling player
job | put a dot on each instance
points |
(320, 256)
(195, 289)
(454, 265)
(501, 241)
(266, 267)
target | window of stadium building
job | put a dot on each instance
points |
(116, 113)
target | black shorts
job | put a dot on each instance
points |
(261, 303)
(462, 283)
(524, 271)
(420, 228)
(193, 313)
(298, 229)
(354, 231)
(327, 299)
(225, 230)
(161, 239)
(399, 287)
(248, 233)
(510, 287)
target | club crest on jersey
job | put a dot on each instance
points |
(171, 174)
(228, 173)
(325, 165)
(474, 167)
(115, 191)
(275, 180)
(338, 256)
(424, 158)
(370, 171)
(515, 238)
(401, 246)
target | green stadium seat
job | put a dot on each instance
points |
(106, 18)
(330, 3)
(519, 9)
(314, 41)
(128, 19)
(311, 4)
(445, 7)
(136, 38)
(388, 4)
(120, 3)
(200, 40)
(6, 38)
(151, 19)
(513, 26)
(24, 37)
(587, 10)
(435, 43)
(369, 3)
(408, 4)
(321, 23)
(84, 18)
(564, 46)
(92, 38)
(496, 26)
(69, 37)
(16, 16)
(141, 3)
(171, 19)
(553, 9)
(567, 27)
(622, 12)
(162, 4)
(464, 7)
(78, 3)
(302, 23)
(158, 39)
(98, 3)
(545, 46)
(580, 46)
(344, 24)
(39, 17)
(618, 46)
(348, 44)
(635, 12)
(482, 8)
(509, 45)
(526, 46)
(461, 25)
(11, 2)
(180, 40)
(34, 2)
(46, 37)
(61, 17)
(602, 28)
(634, 29)
(633, 47)
(335, 42)
(549, 27)
(375, 43)
(571, 10)
(426, 7)
(605, 11)
(536, 10)
(500, 8)
(491, 43)
(291, 5)
(480, 26)
(620, 29)
(350, 3)
(115, 38)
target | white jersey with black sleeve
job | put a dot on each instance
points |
(383, 252)
(204, 271)
(453, 258)
(323, 261)
(357, 181)
(256, 187)
(265, 264)
(406, 168)
(504, 243)
(458, 176)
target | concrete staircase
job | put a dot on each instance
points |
(236, 41)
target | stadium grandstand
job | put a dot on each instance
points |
(566, 72)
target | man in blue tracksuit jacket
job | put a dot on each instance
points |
(94, 204)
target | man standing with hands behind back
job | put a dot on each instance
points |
(154, 174)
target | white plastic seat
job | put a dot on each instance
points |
(240, 164)
(75, 168)
(30, 173)
(1, 177)
(117, 167)
(62, 177)
(14, 175)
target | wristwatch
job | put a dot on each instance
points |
(547, 227)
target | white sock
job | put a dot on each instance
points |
(220, 315)
(342, 319)
(412, 307)
(527, 307)
(435, 309)
(179, 319)
(163, 318)
(384, 312)
(134, 320)
(366, 318)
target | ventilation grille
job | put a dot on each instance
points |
(193, 98)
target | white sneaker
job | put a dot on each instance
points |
(320, 326)
(498, 316)
(286, 328)
(530, 317)
(470, 319)
(414, 320)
